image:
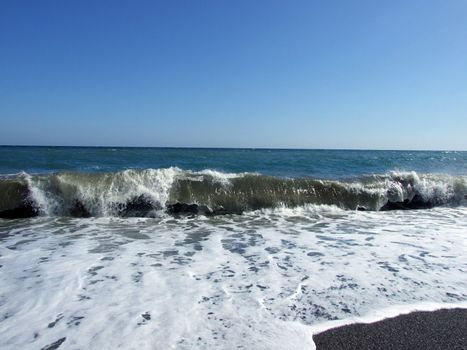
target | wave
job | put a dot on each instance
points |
(151, 191)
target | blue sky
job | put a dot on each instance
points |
(300, 74)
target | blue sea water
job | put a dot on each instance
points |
(326, 164)
(98, 181)
(94, 259)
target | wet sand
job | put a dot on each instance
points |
(442, 329)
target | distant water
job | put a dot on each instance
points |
(326, 164)
(103, 263)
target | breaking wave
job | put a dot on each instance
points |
(151, 191)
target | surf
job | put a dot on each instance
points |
(149, 192)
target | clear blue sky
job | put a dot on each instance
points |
(305, 74)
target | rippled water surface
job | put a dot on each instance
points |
(328, 164)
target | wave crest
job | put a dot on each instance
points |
(149, 191)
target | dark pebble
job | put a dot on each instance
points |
(438, 330)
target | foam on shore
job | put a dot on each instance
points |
(264, 280)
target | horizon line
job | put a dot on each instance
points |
(240, 148)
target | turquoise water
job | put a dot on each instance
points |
(328, 164)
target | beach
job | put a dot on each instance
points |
(435, 330)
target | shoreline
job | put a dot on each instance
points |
(441, 329)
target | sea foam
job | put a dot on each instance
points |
(267, 279)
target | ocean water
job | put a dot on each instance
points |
(285, 243)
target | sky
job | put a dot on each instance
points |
(264, 73)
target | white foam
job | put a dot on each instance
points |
(263, 280)
(100, 192)
(45, 204)
(429, 186)
(215, 176)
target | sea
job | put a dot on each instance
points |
(184, 248)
